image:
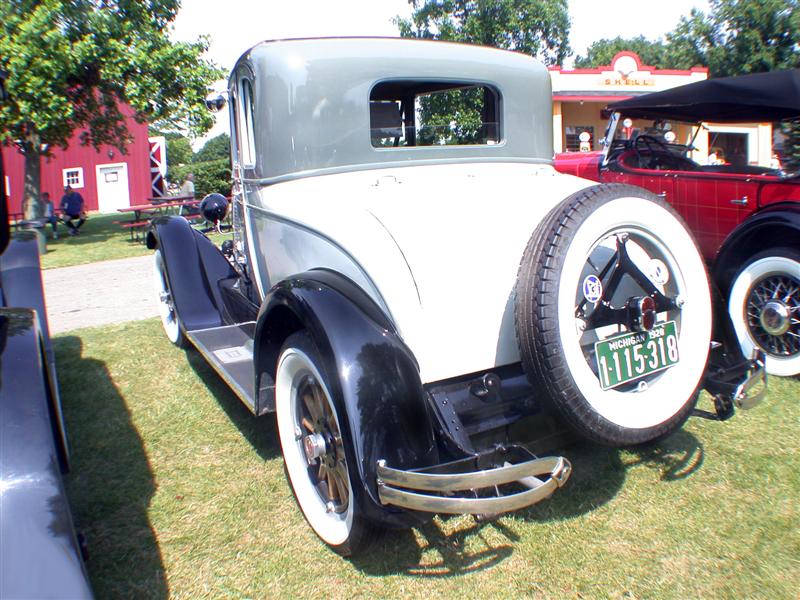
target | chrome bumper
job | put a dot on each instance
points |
(753, 389)
(467, 492)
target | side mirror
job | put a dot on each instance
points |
(215, 102)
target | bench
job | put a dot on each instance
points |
(136, 229)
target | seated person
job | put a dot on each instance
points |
(72, 208)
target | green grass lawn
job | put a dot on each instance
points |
(100, 239)
(181, 493)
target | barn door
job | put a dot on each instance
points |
(112, 187)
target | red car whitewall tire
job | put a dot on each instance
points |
(764, 306)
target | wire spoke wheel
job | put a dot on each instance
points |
(764, 306)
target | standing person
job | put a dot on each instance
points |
(187, 189)
(50, 214)
(72, 207)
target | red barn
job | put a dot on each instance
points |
(107, 179)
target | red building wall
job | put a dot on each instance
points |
(137, 157)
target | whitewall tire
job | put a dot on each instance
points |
(764, 306)
(314, 447)
(166, 305)
(614, 249)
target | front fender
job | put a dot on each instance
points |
(373, 375)
(39, 553)
(194, 268)
(778, 225)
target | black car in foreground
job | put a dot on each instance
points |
(40, 555)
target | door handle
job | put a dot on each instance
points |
(740, 201)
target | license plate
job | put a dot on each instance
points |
(629, 356)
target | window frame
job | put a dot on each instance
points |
(79, 179)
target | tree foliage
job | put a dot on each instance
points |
(739, 36)
(209, 176)
(602, 52)
(539, 28)
(71, 62)
(734, 38)
(536, 27)
(214, 149)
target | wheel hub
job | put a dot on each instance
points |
(775, 318)
(314, 447)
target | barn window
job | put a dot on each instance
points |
(73, 177)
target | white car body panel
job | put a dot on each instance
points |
(428, 237)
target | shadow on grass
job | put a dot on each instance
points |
(260, 432)
(111, 484)
(598, 475)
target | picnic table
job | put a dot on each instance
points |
(143, 213)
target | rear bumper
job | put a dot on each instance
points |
(460, 488)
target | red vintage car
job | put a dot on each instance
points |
(746, 218)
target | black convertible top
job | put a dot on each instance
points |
(755, 98)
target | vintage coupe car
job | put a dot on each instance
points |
(40, 553)
(746, 218)
(415, 294)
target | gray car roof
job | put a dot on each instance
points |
(311, 102)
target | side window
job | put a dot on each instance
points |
(246, 129)
(434, 113)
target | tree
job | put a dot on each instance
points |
(72, 62)
(536, 27)
(214, 149)
(602, 52)
(738, 36)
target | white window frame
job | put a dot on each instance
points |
(78, 171)
(8, 186)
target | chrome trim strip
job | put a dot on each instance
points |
(235, 325)
(399, 164)
(558, 468)
(449, 482)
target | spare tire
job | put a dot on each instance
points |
(613, 314)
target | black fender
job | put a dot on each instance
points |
(374, 375)
(21, 279)
(21, 287)
(36, 519)
(777, 225)
(194, 268)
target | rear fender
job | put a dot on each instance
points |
(374, 376)
(194, 268)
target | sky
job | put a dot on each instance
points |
(235, 25)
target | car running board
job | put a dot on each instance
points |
(229, 351)
(475, 492)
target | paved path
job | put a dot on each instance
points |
(100, 293)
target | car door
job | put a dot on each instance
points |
(713, 204)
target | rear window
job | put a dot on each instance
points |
(434, 113)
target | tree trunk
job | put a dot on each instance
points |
(31, 196)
